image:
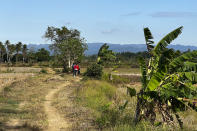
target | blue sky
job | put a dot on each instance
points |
(111, 21)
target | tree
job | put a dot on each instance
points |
(12, 49)
(165, 82)
(105, 56)
(18, 49)
(24, 52)
(7, 43)
(31, 55)
(2, 52)
(42, 55)
(67, 44)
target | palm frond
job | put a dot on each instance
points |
(148, 38)
(191, 76)
(103, 48)
(155, 80)
(163, 43)
(190, 66)
(179, 61)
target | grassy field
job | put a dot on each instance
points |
(83, 104)
(21, 102)
(119, 70)
(19, 70)
(105, 101)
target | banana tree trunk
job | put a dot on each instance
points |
(138, 110)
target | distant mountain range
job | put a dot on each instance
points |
(94, 47)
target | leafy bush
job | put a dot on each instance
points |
(57, 70)
(94, 71)
(43, 70)
(109, 117)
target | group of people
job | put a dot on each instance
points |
(75, 69)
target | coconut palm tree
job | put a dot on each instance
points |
(2, 51)
(24, 52)
(7, 43)
(12, 49)
(18, 49)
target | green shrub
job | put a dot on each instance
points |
(109, 117)
(94, 71)
(57, 70)
(43, 71)
(66, 70)
(7, 89)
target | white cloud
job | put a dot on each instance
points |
(132, 14)
(173, 14)
(110, 31)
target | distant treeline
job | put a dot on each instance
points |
(19, 53)
(126, 59)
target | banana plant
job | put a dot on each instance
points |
(167, 81)
(105, 56)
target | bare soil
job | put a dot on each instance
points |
(55, 121)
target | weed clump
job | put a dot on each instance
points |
(44, 71)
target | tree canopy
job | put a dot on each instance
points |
(105, 56)
(67, 44)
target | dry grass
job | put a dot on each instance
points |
(9, 75)
(19, 70)
(79, 117)
(23, 95)
(119, 70)
(22, 101)
(7, 78)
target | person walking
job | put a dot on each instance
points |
(77, 66)
(73, 69)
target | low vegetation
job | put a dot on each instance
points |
(21, 101)
(112, 93)
(94, 71)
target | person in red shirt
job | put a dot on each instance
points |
(76, 70)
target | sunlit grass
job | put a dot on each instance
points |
(118, 70)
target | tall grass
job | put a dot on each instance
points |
(121, 79)
(103, 99)
(96, 94)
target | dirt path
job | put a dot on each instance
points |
(55, 121)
